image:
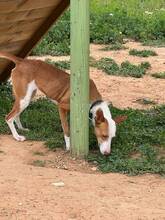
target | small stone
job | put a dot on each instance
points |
(65, 167)
(58, 184)
(84, 163)
(94, 168)
(72, 216)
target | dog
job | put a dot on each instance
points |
(30, 75)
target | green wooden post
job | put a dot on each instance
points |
(79, 101)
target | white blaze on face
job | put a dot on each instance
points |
(104, 143)
(105, 146)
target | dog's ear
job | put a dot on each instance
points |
(120, 119)
(99, 117)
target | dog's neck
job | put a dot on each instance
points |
(99, 104)
(92, 106)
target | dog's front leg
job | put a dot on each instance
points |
(63, 116)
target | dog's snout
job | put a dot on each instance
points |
(106, 153)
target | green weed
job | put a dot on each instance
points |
(159, 75)
(142, 53)
(116, 46)
(146, 101)
(155, 43)
(65, 65)
(59, 64)
(38, 153)
(109, 66)
(39, 163)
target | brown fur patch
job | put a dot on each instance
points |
(102, 131)
(120, 119)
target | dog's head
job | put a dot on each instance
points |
(104, 126)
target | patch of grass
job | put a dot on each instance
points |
(59, 64)
(155, 43)
(140, 20)
(142, 53)
(65, 65)
(6, 100)
(116, 46)
(109, 66)
(128, 69)
(39, 163)
(143, 134)
(159, 75)
(38, 153)
(53, 143)
(146, 101)
(145, 65)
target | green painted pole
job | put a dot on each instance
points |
(79, 101)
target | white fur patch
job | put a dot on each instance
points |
(67, 142)
(54, 101)
(105, 146)
(31, 87)
(26, 100)
(10, 123)
(107, 114)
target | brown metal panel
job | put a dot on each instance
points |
(17, 35)
(23, 5)
(15, 16)
(22, 48)
(21, 25)
(3, 64)
(8, 6)
(13, 46)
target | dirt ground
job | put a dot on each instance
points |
(28, 192)
(37, 184)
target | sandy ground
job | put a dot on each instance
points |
(29, 192)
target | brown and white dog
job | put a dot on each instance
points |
(30, 75)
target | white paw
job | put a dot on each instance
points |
(67, 148)
(20, 138)
(67, 142)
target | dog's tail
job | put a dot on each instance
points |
(11, 57)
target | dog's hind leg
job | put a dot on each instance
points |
(17, 119)
(20, 105)
(10, 121)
